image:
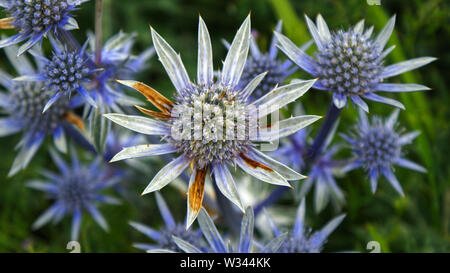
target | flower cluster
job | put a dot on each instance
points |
(24, 103)
(212, 125)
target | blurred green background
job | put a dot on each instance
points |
(418, 223)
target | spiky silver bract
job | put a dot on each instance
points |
(276, 71)
(350, 63)
(224, 104)
(377, 146)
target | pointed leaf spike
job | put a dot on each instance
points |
(237, 56)
(172, 63)
(385, 34)
(205, 73)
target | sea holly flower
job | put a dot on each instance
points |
(350, 64)
(23, 103)
(64, 73)
(321, 170)
(76, 189)
(301, 239)
(246, 243)
(377, 146)
(258, 62)
(163, 237)
(194, 125)
(116, 61)
(34, 19)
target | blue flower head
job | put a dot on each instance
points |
(163, 237)
(217, 244)
(65, 72)
(23, 103)
(350, 64)
(259, 63)
(377, 147)
(116, 61)
(301, 239)
(321, 170)
(75, 189)
(34, 19)
(208, 149)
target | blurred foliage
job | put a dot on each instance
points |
(417, 223)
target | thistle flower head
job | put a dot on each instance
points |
(163, 237)
(377, 146)
(211, 123)
(216, 242)
(33, 19)
(65, 72)
(301, 239)
(350, 63)
(212, 109)
(76, 189)
(23, 103)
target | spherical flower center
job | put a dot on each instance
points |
(212, 125)
(378, 147)
(264, 63)
(28, 101)
(36, 16)
(349, 64)
(65, 71)
(74, 191)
